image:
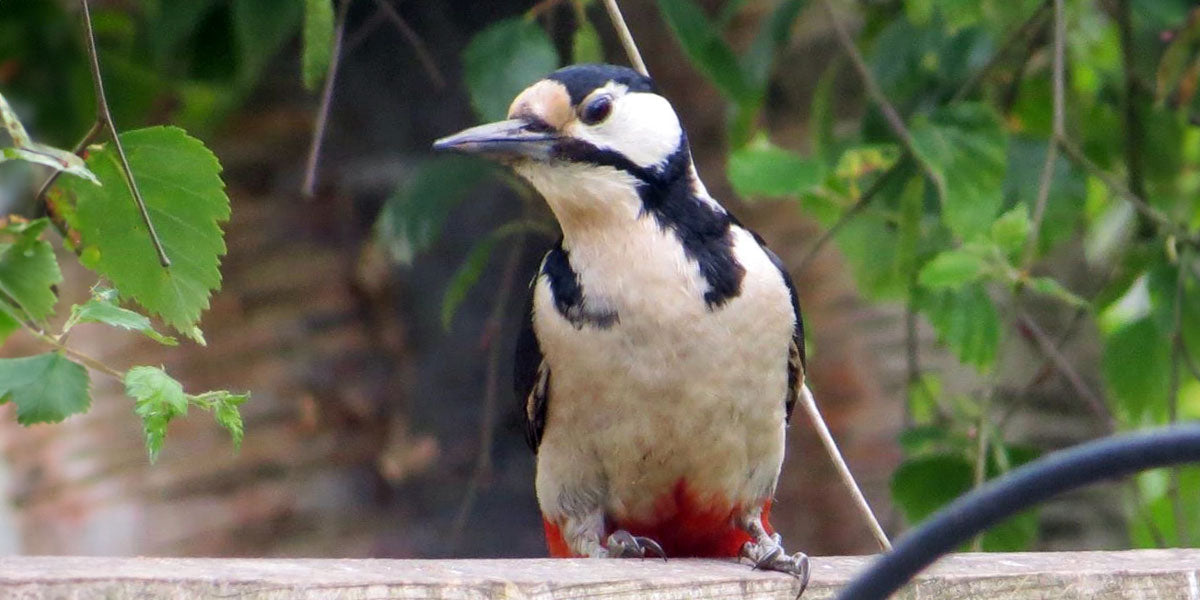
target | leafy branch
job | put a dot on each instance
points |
(104, 119)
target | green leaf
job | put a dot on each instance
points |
(773, 34)
(227, 415)
(318, 41)
(413, 217)
(707, 51)
(1051, 287)
(29, 270)
(9, 322)
(46, 388)
(922, 485)
(473, 265)
(966, 321)
(180, 181)
(262, 27)
(1010, 231)
(762, 169)
(158, 398)
(966, 147)
(952, 269)
(502, 60)
(224, 407)
(1136, 365)
(24, 148)
(102, 308)
(585, 42)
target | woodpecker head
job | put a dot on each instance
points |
(589, 138)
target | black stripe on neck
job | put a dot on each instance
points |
(568, 292)
(666, 192)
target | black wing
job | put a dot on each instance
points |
(531, 377)
(796, 359)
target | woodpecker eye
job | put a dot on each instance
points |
(596, 110)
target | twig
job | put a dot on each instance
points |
(103, 115)
(894, 121)
(491, 391)
(635, 57)
(1181, 531)
(1059, 132)
(814, 414)
(1133, 122)
(414, 40)
(1048, 348)
(858, 206)
(981, 448)
(1023, 33)
(314, 150)
(88, 138)
(1151, 213)
(86, 360)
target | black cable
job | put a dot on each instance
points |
(1031, 484)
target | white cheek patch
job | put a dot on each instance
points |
(643, 127)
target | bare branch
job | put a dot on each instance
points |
(103, 115)
(414, 40)
(856, 208)
(635, 57)
(1051, 351)
(314, 149)
(809, 405)
(1154, 215)
(491, 391)
(895, 122)
(1021, 35)
(1059, 132)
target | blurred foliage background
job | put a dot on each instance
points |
(991, 209)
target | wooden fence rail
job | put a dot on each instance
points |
(1143, 574)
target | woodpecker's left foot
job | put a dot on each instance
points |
(768, 554)
(622, 544)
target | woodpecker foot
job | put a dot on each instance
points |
(768, 554)
(622, 544)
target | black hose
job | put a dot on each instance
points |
(1031, 484)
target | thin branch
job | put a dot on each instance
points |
(88, 138)
(981, 433)
(809, 405)
(1133, 122)
(1051, 351)
(84, 359)
(491, 391)
(1059, 132)
(314, 149)
(105, 116)
(635, 57)
(894, 121)
(1181, 530)
(1021, 35)
(1154, 215)
(858, 206)
(414, 40)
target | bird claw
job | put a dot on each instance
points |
(622, 544)
(768, 554)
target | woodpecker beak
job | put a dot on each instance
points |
(505, 140)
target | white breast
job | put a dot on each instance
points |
(673, 391)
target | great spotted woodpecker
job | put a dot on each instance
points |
(664, 350)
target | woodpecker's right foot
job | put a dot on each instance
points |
(622, 544)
